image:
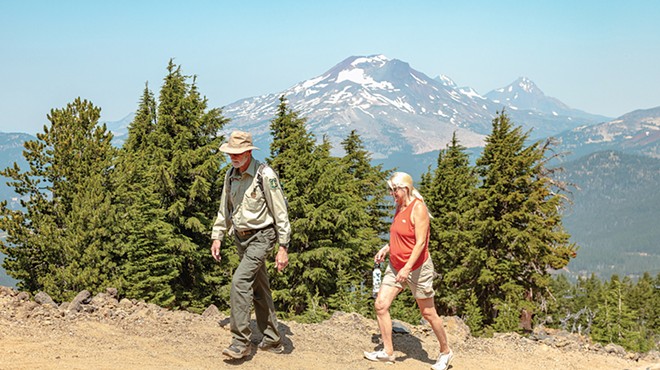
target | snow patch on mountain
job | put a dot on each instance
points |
(359, 77)
(446, 81)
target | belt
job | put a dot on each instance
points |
(244, 233)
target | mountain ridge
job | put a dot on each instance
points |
(393, 107)
(636, 132)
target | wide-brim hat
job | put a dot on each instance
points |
(239, 142)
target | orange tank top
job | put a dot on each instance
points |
(402, 239)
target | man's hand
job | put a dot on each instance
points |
(215, 250)
(282, 259)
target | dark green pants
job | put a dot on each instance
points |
(250, 284)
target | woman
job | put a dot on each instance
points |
(410, 265)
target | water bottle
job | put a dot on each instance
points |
(376, 278)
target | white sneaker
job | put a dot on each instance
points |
(443, 361)
(379, 356)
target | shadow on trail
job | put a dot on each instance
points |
(408, 344)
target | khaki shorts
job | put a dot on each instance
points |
(419, 281)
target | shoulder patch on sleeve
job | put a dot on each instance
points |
(272, 183)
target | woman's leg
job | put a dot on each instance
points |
(382, 305)
(427, 308)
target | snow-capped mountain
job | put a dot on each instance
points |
(392, 106)
(637, 132)
(530, 107)
(395, 108)
(524, 94)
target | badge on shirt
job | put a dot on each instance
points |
(273, 183)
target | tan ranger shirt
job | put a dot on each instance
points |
(244, 207)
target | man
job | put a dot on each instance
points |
(252, 207)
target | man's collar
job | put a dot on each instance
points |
(251, 169)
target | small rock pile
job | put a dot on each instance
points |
(564, 340)
(19, 309)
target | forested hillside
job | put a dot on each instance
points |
(614, 213)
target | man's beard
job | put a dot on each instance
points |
(239, 164)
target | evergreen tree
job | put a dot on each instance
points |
(177, 139)
(370, 181)
(449, 194)
(587, 292)
(352, 298)
(64, 239)
(614, 319)
(519, 235)
(291, 155)
(143, 125)
(654, 313)
(508, 315)
(332, 232)
(619, 311)
(472, 315)
(562, 299)
(150, 265)
(642, 300)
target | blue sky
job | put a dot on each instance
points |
(599, 56)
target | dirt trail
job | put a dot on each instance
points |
(120, 335)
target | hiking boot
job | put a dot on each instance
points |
(443, 361)
(277, 347)
(235, 353)
(379, 356)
